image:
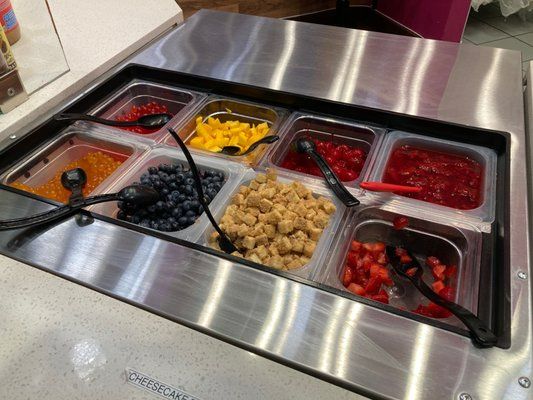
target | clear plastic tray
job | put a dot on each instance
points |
(319, 255)
(165, 155)
(324, 128)
(180, 102)
(454, 243)
(71, 145)
(486, 157)
(219, 107)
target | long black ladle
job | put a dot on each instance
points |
(308, 147)
(223, 240)
(233, 150)
(146, 121)
(74, 180)
(481, 336)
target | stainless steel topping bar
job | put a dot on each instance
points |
(350, 343)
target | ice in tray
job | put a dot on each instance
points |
(227, 122)
(100, 158)
(178, 212)
(347, 147)
(278, 222)
(140, 98)
(448, 254)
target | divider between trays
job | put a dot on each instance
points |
(233, 173)
(321, 121)
(467, 287)
(187, 127)
(318, 257)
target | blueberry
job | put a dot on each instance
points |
(152, 170)
(186, 205)
(179, 177)
(121, 215)
(195, 204)
(175, 195)
(154, 178)
(159, 206)
(162, 167)
(176, 212)
(154, 225)
(182, 221)
(164, 191)
(165, 177)
(170, 205)
(151, 209)
(158, 185)
(217, 186)
(171, 220)
(188, 189)
(191, 220)
(190, 213)
(120, 204)
(145, 223)
(216, 179)
(172, 185)
(174, 226)
(211, 193)
(189, 181)
(135, 219)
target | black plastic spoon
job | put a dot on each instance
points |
(146, 121)
(481, 335)
(308, 147)
(223, 240)
(233, 150)
(74, 180)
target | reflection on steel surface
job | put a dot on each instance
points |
(360, 346)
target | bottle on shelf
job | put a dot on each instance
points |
(9, 21)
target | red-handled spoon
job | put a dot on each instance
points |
(389, 187)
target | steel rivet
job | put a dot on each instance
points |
(13, 137)
(524, 382)
(465, 396)
(522, 275)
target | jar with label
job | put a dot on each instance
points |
(9, 21)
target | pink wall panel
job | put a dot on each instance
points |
(434, 19)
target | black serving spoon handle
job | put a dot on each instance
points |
(481, 336)
(307, 146)
(146, 121)
(225, 243)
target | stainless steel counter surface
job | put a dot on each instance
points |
(347, 342)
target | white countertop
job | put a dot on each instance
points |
(95, 36)
(63, 341)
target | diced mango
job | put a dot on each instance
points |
(197, 142)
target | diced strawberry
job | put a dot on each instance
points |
(438, 311)
(352, 259)
(348, 276)
(411, 271)
(405, 259)
(438, 271)
(382, 259)
(432, 262)
(374, 284)
(400, 222)
(384, 274)
(379, 247)
(368, 260)
(356, 289)
(356, 246)
(447, 293)
(360, 277)
(368, 246)
(450, 271)
(400, 251)
(379, 297)
(438, 286)
(375, 269)
(423, 310)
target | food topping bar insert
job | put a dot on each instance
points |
(276, 224)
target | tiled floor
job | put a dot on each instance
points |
(489, 28)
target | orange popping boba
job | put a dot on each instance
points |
(97, 165)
